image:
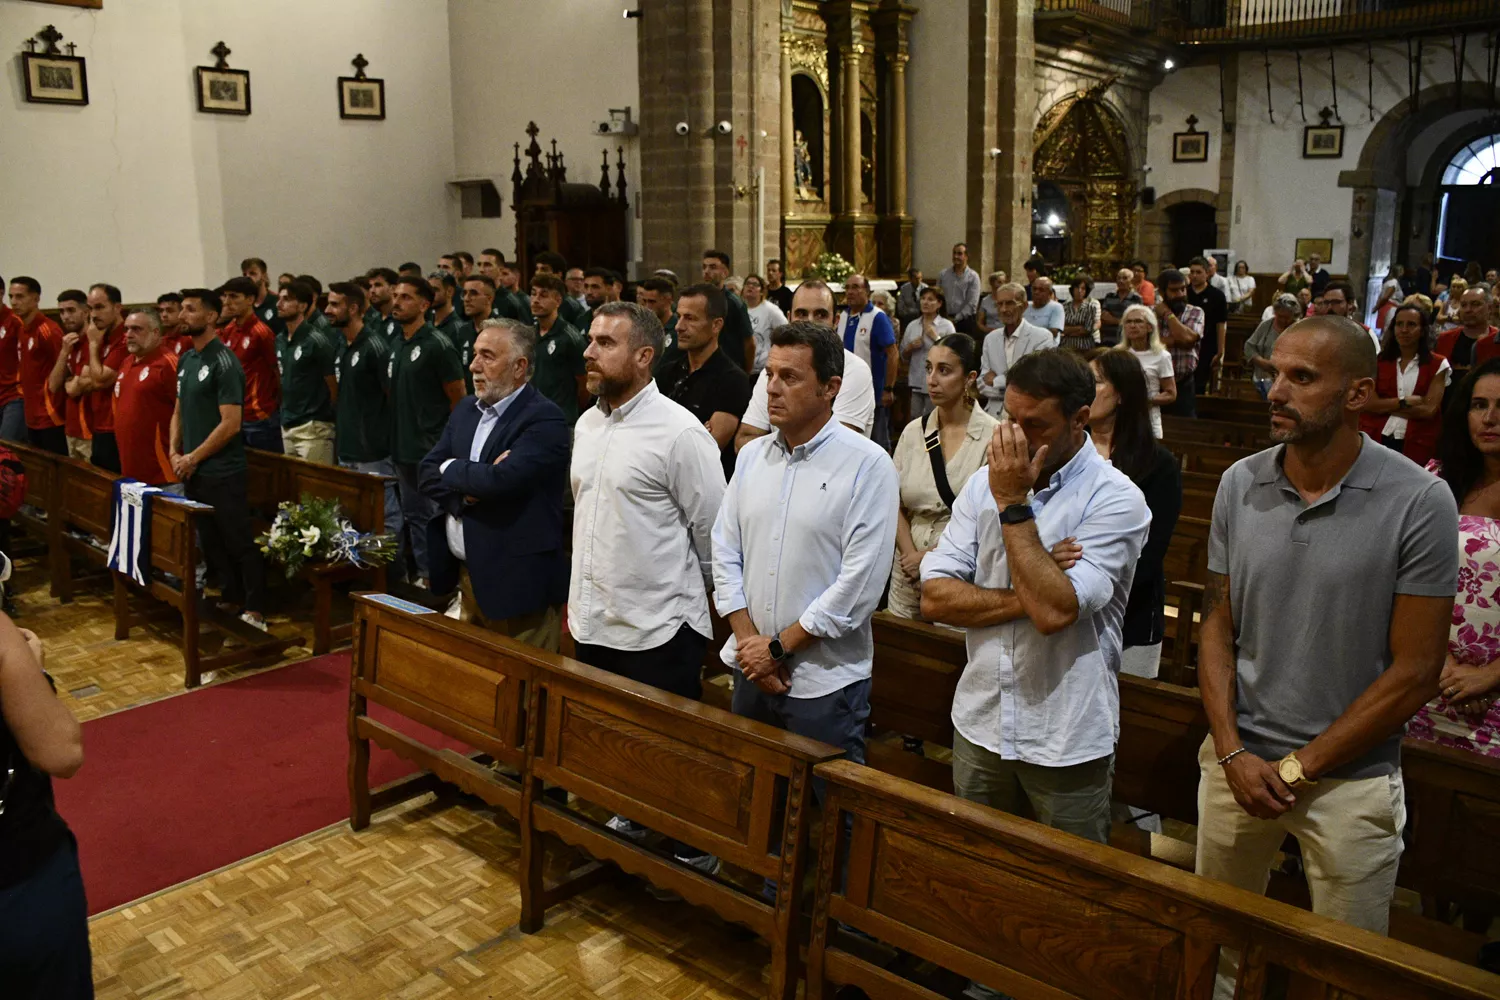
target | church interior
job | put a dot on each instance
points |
(370, 799)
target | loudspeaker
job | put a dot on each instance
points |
(1148, 197)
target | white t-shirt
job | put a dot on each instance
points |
(1157, 365)
(855, 404)
(1406, 385)
(916, 372)
(763, 319)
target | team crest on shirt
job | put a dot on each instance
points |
(202, 374)
(31, 343)
(144, 373)
(353, 359)
(552, 347)
(297, 354)
(247, 343)
(390, 328)
(416, 352)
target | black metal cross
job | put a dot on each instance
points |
(72, 49)
(50, 36)
(359, 62)
(221, 52)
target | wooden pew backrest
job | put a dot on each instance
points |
(1037, 913)
(278, 478)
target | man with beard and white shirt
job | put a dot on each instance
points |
(854, 405)
(498, 474)
(647, 483)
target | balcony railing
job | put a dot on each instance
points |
(1254, 22)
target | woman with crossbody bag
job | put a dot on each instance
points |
(935, 457)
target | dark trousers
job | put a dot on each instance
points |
(106, 453)
(1185, 405)
(675, 666)
(837, 719)
(264, 435)
(53, 439)
(229, 540)
(44, 934)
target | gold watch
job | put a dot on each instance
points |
(1290, 769)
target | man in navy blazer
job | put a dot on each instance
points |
(499, 473)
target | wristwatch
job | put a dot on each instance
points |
(1401, 403)
(1290, 769)
(1017, 513)
(776, 649)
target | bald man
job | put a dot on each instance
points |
(1332, 569)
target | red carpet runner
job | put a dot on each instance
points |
(186, 785)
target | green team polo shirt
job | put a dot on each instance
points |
(464, 335)
(306, 360)
(449, 328)
(671, 353)
(419, 367)
(362, 430)
(559, 362)
(575, 314)
(511, 305)
(207, 380)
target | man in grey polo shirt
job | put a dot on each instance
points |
(1332, 568)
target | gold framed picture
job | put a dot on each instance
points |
(1307, 246)
(361, 97)
(223, 91)
(1189, 147)
(54, 79)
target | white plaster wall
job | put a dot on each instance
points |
(1188, 91)
(937, 133)
(560, 63)
(142, 190)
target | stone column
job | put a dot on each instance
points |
(788, 138)
(698, 53)
(898, 133)
(1002, 115)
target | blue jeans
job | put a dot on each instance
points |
(416, 512)
(44, 933)
(13, 421)
(383, 467)
(264, 435)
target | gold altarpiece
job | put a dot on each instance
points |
(843, 134)
(1082, 148)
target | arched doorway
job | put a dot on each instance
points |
(1193, 228)
(1468, 203)
(1082, 153)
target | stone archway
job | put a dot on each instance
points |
(1156, 223)
(1082, 147)
(1379, 180)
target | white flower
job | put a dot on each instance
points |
(310, 536)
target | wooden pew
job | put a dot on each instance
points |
(687, 770)
(1043, 915)
(35, 518)
(1214, 459)
(458, 679)
(276, 479)
(1256, 412)
(1256, 437)
(695, 773)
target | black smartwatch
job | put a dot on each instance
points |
(776, 649)
(1016, 513)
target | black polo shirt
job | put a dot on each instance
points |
(1215, 311)
(720, 386)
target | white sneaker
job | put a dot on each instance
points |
(627, 828)
(255, 622)
(455, 607)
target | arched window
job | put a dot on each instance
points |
(1476, 163)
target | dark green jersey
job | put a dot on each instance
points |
(463, 342)
(363, 428)
(671, 353)
(737, 331)
(380, 324)
(419, 367)
(574, 312)
(559, 363)
(306, 360)
(207, 380)
(511, 305)
(449, 328)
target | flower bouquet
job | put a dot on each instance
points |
(315, 530)
(831, 268)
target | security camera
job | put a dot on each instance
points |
(724, 128)
(603, 128)
(681, 128)
(995, 152)
(1146, 169)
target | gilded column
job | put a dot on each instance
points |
(849, 54)
(788, 129)
(898, 133)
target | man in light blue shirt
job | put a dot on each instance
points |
(1045, 311)
(1037, 710)
(802, 551)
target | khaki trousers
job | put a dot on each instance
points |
(542, 629)
(312, 441)
(1350, 835)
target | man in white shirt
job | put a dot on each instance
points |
(960, 284)
(1037, 710)
(854, 404)
(1014, 339)
(1045, 311)
(802, 552)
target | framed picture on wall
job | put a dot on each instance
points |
(54, 79)
(223, 91)
(1322, 142)
(361, 97)
(1189, 147)
(1307, 246)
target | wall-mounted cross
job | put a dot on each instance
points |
(50, 36)
(741, 143)
(221, 53)
(359, 62)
